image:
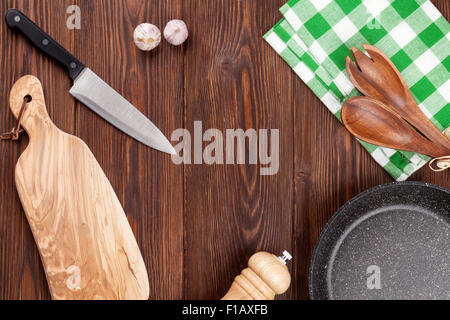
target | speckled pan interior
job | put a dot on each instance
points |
(390, 242)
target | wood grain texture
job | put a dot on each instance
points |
(146, 181)
(22, 275)
(193, 220)
(85, 241)
(234, 81)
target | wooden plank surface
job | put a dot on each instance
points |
(231, 211)
(197, 225)
(149, 186)
(22, 275)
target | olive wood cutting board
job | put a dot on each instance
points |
(86, 244)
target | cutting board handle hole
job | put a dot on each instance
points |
(28, 98)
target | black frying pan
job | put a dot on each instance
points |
(391, 242)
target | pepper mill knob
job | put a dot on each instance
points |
(266, 276)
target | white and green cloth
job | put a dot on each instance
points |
(315, 37)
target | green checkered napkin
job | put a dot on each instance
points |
(317, 35)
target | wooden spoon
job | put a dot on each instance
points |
(373, 122)
(378, 78)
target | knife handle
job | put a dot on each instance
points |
(17, 20)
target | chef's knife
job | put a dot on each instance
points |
(91, 90)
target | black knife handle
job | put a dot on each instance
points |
(17, 20)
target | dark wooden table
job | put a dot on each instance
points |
(197, 225)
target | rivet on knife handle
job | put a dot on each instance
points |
(17, 20)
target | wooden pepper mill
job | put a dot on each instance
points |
(266, 276)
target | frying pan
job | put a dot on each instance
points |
(390, 242)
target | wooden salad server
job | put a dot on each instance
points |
(266, 276)
(86, 244)
(371, 121)
(378, 78)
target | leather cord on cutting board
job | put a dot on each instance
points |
(14, 134)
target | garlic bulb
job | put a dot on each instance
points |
(147, 36)
(176, 32)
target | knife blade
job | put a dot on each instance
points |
(91, 90)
